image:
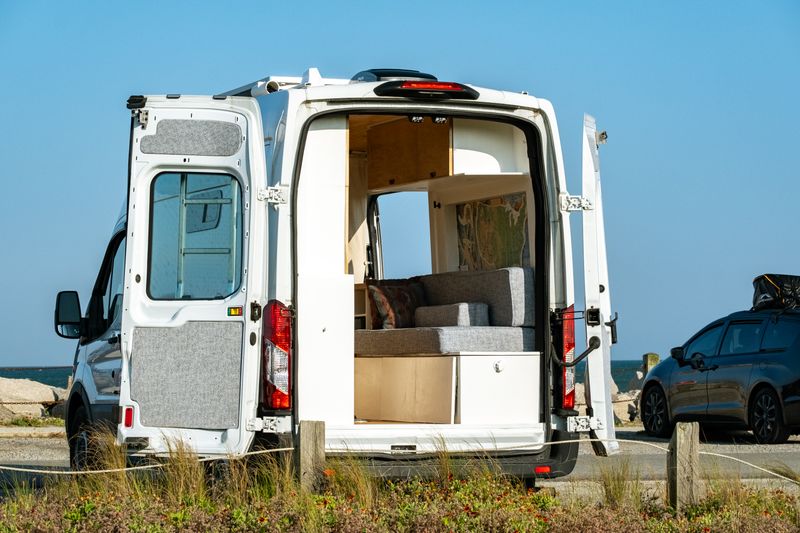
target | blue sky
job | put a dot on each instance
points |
(700, 175)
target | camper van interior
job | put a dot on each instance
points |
(451, 341)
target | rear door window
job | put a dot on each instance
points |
(780, 334)
(741, 338)
(195, 237)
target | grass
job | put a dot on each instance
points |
(32, 422)
(261, 493)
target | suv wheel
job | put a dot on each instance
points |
(766, 418)
(654, 412)
(79, 440)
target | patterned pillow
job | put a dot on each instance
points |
(394, 302)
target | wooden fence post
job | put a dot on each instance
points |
(683, 465)
(311, 452)
(649, 360)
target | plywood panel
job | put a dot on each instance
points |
(401, 152)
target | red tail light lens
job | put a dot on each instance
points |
(541, 469)
(127, 417)
(276, 352)
(568, 351)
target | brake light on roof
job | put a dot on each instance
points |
(427, 89)
(432, 85)
(568, 354)
(276, 352)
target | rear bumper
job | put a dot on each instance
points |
(560, 458)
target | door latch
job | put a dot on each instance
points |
(255, 311)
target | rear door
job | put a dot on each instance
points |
(598, 317)
(194, 266)
(728, 373)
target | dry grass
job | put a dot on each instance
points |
(262, 493)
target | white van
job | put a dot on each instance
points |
(253, 281)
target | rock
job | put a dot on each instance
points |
(5, 414)
(28, 392)
(614, 390)
(580, 394)
(636, 381)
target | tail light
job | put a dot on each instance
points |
(127, 417)
(276, 352)
(568, 354)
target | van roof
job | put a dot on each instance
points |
(363, 86)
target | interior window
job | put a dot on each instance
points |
(706, 343)
(405, 235)
(780, 334)
(493, 233)
(742, 337)
(195, 237)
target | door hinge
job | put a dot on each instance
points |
(274, 195)
(142, 115)
(270, 424)
(575, 203)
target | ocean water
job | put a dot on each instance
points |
(57, 376)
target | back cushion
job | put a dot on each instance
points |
(393, 302)
(507, 291)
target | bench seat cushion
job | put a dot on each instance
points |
(424, 341)
(460, 314)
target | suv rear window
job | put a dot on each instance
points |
(780, 334)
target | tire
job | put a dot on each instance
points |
(766, 418)
(655, 416)
(79, 440)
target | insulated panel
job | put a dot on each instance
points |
(187, 376)
(193, 137)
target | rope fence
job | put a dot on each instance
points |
(280, 450)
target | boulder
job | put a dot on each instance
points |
(28, 393)
(5, 414)
(636, 381)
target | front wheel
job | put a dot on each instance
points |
(654, 413)
(766, 418)
(79, 439)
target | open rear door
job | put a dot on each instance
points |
(598, 319)
(195, 231)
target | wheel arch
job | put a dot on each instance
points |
(654, 382)
(759, 386)
(77, 398)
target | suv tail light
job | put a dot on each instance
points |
(276, 352)
(568, 354)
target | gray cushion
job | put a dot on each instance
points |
(418, 341)
(507, 291)
(460, 314)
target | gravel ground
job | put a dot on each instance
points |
(34, 451)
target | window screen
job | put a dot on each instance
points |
(780, 334)
(742, 337)
(195, 237)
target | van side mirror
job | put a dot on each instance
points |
(677, 353)
(68, 315)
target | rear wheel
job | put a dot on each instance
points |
(79, 439)
(766, 418)
(654, 412)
